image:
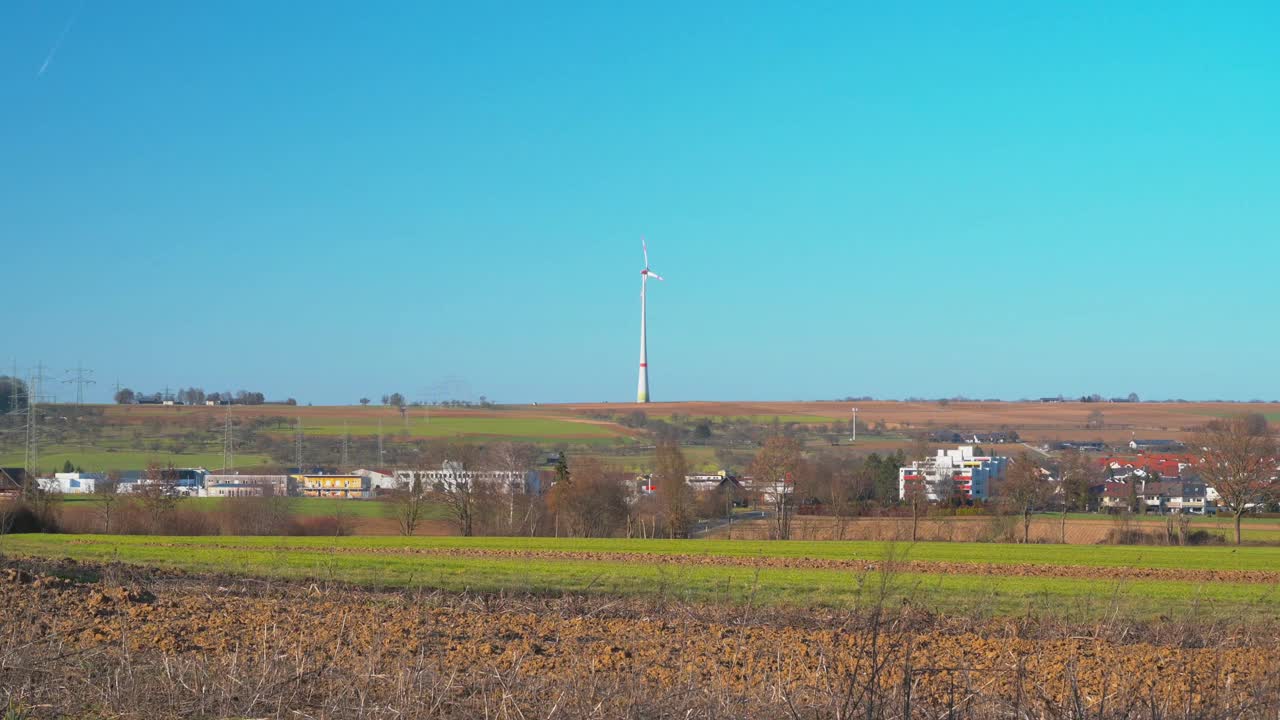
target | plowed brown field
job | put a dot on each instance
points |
(1034, 421)
(1044, 528)
(193, 647)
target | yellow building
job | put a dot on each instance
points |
(335, 486)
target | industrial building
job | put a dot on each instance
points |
(333, 486)
(245, 485)
(452, 476)
(72, 483)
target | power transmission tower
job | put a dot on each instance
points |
(346, 440)
(297, 446)
(16, 400)
(15, 425)
(81, 376)
(31, 457)
(31, 460)
(228, 444)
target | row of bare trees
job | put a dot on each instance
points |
(506, 511)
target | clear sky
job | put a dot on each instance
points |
(329, 200)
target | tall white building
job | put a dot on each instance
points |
(953, 473)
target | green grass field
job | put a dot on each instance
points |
(699, 458)
(304, 506)
(368, 561)
(525, 429)
(93, 459)
(761, 419)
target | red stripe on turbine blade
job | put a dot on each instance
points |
(644, 364)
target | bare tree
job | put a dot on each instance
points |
(458, 492)
(591, 498)
(674, 494)
(1096, 421)
(774, 468)
(266, 514)
(832, 484)
(942, 486)
(410, 504)
(1024, 490)
(915, 496)
(159, 498)
(107, 500)
(8, 510)
(513, 460)
(1239, 462)
(1075, 475)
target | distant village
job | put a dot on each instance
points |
(1152, 476)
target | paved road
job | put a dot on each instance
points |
(1042, 452)
(702, 527)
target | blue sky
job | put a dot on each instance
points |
(991, 199)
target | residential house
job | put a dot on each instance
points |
(1190, 496)
(1112, 496)
(11, 481)
(705, 482)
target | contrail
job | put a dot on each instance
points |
(62, 36)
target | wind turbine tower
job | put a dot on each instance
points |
(642, 392)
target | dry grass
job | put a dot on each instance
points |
(116, 643)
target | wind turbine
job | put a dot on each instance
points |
(642, 392)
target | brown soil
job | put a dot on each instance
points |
(294, 633)
(1044, 529)
(1034, 421)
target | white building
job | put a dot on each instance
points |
(234, 489)
(452, 476)
(232, 485)
(72, 483)
(953, 473)
(705, 482)
(381, 479)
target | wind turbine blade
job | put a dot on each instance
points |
(644, 247)
(654, 275)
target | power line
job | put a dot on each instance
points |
(81, 376)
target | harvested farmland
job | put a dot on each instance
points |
(221, 646)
